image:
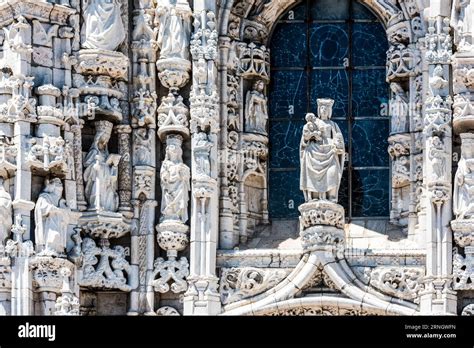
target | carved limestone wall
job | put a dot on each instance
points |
(134, 151)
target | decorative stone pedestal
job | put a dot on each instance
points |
(103, 224)
(100, 74)
(172, 237)
(321, 225)
(47, 281)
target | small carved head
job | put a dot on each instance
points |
(173, 148)
(310, 117)
(325, 108)
(103, 133)
(259, 86)
(54, 186)
(438, 71)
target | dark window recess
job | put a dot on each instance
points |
(330, 49)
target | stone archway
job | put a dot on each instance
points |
(244, 35)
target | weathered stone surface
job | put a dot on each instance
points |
(141, 143)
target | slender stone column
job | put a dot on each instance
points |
(438, 296)
(202, 297)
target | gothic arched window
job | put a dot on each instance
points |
(330, 49)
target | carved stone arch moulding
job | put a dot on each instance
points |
(241, 11)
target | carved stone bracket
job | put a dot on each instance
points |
(104, 267)
(102, 62)
(172, 270)
(104, 225)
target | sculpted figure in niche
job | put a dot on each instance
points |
(101, 174)
(103, 26)
(142, 147)
(463, 196)
(175, 177)
(462, 19)
(437, 155)
(202, 148)
(174, 28)
(5, 213)
(256, 109)
(398, 108)
(321, 155)
(51, 218)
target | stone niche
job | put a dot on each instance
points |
(255, 195)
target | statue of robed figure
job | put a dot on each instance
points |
(321, 155)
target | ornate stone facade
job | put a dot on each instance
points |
(137, 149)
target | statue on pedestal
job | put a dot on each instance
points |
(5, 213)
(51, 218)
(321, 155)
(101, 173)
(103, 26)
(175, 177)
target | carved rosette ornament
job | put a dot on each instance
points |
(322, 161)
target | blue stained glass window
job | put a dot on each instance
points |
(330, 49)
(371, 42)
(370, 192)
(285, 195)
(291, 37)
(330, 9)
(288, 96)
(369, 92)
(328, 44)
(333, 83)
(369, 143)
(284, 151)
(297, 13)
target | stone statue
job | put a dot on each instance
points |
(103, 26)
(398, 108)
(5, 213)
(202, 148)
(142, 147)
(462, 19)
(101, 173)
(437, 155)
(321, 155)
(256, 112)
(175, 176)
(174, 28)
(51, 218)
(463, 195)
